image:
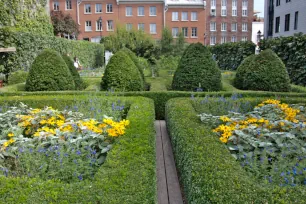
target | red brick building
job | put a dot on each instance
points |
(194, 18)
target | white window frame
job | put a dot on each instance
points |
(234, 11)
(223, 26)
(110, 25)
(234, 27)
(109, 8)
(55, 5)
(153, 31)
(182, 16)
(183, 31)
(175, 32)
(213, 3)
(128, 11)
(244, 3)
(223, 8)
(175, 16)
(129, 26)
(244, 38)
(233, 38)
(244, 12)
(223, 39)
(234, 3)
(213, 40)
(85, 8)
(88, 26)
(194, 16)
(139, 9)
(213, 26)
(153, 13)
(194, 32)
(143, 27)
(98, 25)
(97, 7)
(66, 5)
(223, 12)
(244, 27)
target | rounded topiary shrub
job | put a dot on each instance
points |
(49, 72)
(121, 74)
(79, 84)
(266, 72)
(241, 70)
(17, 77)
(197, 69)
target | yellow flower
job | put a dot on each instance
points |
(42, 122)
(108, 121)
(11, 141)
(7, 143)
(282, 124)
(225, 119)
(223, 139)
(10, 134)
(112, 132)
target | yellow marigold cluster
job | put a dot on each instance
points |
(226, 131)
(7, 143)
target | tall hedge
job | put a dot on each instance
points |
(197, 69)
(49, 72)
(230, 55)
(241, 71)
(266, 72)
(292, 51)
(121, 74)
(79, 84)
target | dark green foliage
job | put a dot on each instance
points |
(230, 55)
(121, 74)
(166, 42)
(17, 77)
(197, 69)
(79, 84)
(63, 24)
(292, 51)
(49, 72)
(241, 71)
(266, 72)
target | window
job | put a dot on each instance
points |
(88, 26)
(244, 8)
(223, 26)
(212, 26)
(140, 11)
(223, 3)
(244, 39)
(296, 20)
(86, 39)
(184, 16)
(223, 39)
(128, 11)
(99, 25)
(277, 2)
(68, 5)
(288, 1)
(87, 8)
(234, 39)
(245, 3)
(194, 16)
(213, 40)
(129, 26)
(55, 6)
(244, 12)
(109, 8)
(141, 26)
(185, 31)
(98, 8)
(223, 12)
(223, 7)
(287, 22)
(153, 28)
(234, 3)
(152, 10)
(213, 3)
(175, 32)
(234, 8)
(234, 12)
(277, 24)
(194, 32)
(110, 25)
(175, 16)
(234, 26)
(96, 40)
(244, 27)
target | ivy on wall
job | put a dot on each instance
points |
(25, 16)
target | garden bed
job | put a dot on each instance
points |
(128, 174)
(208, 172)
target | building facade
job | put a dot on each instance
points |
(99, 18)
(284, 17)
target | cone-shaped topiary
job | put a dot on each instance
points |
(79, 84)
(241, 70)
(197, 69)
(49, 72)
(266, 72)
(121, 74)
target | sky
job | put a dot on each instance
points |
(259, 6)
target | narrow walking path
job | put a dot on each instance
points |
(168, 187)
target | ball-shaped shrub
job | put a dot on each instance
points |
(241, 70)
(197, 69)
(121, 74)
(17, 77)
(49, 72)
(266, 72)
(79, 84)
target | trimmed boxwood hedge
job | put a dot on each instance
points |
(79, 84)
(208, 173)
(127, 176)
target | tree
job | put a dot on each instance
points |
(64, 24)
(180, 43)
(166, 42)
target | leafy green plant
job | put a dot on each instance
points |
(79, 84)
(17, 77)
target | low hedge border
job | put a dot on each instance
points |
(128, 175)
(208, 173)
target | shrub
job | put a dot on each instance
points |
(197, 69)
(266, 73)
(17, 77)
(49, 72)
(241, 71)
(121, 74)
(79, 84)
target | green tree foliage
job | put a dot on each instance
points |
(49, 72)
(197, 68)
(121, 74)
(166, 42)
(17, 77)
(79, 84)
(180, 43)
(64, 24)
(241, 71)
(266, 72)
